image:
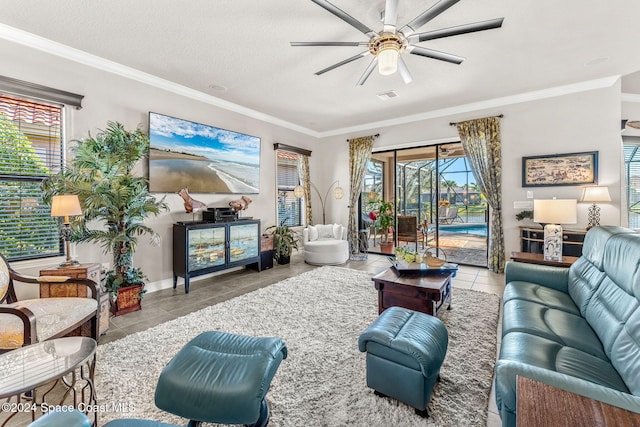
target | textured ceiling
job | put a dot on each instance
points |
(243, 46)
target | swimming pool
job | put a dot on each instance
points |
(475, 229)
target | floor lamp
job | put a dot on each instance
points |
(593, 195)
(338, 193)
(66, 205)
(550, 214)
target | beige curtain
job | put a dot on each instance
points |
(359, 155)
(305, 182)
(481, 141)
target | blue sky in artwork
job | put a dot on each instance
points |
(182, 136)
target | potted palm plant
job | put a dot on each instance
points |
(115, 202)
(285, 241)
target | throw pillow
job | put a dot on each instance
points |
(325, 231)
(337, 231)
(313, 233)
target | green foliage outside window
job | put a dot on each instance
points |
(26, 228)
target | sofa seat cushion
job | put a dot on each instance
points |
(531, 351)
(548, 354)
(53, 315)
(564, 328)
(540, 294)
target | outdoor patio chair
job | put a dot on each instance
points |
(407, 228)
(449, 214)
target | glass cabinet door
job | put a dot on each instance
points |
(206, 247)
(244, 242)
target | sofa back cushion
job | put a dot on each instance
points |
(587, 273)
(613, 310)
(325, 231)
(312, 233)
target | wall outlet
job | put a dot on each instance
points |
(529, 194)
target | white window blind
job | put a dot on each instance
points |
(31, 150)
(289, 206)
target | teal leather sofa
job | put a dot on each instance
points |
(575, 328)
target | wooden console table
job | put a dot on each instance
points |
(531, 258)
(540, 404)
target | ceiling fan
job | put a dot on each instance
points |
(386, 45)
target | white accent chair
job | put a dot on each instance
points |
(325, 244)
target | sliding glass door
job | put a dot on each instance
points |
(437, 203)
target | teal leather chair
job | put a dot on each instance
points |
(217, 377)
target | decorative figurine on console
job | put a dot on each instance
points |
(241, 204)
(191, 204)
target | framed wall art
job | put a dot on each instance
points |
(202, 158)
(560, 169)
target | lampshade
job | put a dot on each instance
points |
(388, 58)
(338, 192)
(65, 205)
(555, 211)
(298, 191)
(596, 194)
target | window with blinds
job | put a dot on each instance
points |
(289, 206)
(31, 150)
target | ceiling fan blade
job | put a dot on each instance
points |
(427, 16)
(345, 17)
(329, 43)
(368, 71)
(404, 71)
(430, 53)
(346, 61)
(390, 15)
(455, 31)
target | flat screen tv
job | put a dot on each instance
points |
(203, 158)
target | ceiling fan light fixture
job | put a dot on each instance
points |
(388, 58)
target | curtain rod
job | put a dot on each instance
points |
(375, 136)
(455, 123)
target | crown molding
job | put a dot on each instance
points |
(482, 105)
(49, 46)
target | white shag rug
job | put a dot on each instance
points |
(320, 315)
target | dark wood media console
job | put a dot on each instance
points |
(203, 248)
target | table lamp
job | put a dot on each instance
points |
(595, 194)
(550, 214)
(66, 205)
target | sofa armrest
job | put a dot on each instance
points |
(506, 371)
(305, 236)
(551, 277)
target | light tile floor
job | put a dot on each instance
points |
(168, 304)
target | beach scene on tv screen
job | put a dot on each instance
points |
(202, 158)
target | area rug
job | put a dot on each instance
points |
(320, 315)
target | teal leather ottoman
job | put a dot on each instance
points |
(217, 377)
(405, 350)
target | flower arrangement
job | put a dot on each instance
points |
(444, 203)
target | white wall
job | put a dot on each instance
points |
(111, 97)
(584, 121)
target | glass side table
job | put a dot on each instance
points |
(29, 375)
